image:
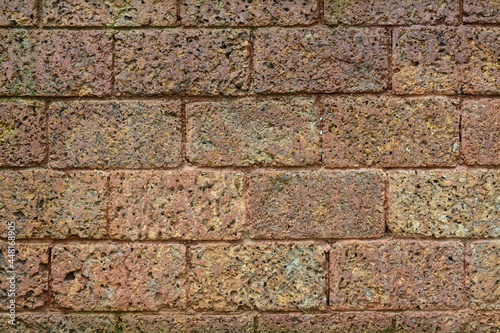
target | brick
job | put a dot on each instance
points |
(320, 60)
(193, 62)
(22, 136)
(187, 205)
(390, 131)
(309, 204)
(483, 275)
(187, 324)
(445, 203)
(248, 13)
(391, 12)
(18, 13)
(55, 63)
(278, 131)
(110, 13)
(481, 11)
(326, 323)
(58, 322)
(264, 276)
(123, 277)
(126, 134)
(446, 60)
(32, 275)
(456, 322)
(52, 204)
(396, 275)
(481, 131)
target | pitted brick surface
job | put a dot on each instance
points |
(60, 323)
(18, 13)
(483, 275)
(481, 11)
(453, 322)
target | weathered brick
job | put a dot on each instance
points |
(22, 133)
(481, 131)
(279, 131)
(248, 13)
(187, 324)
(183, 205)
(102, 134)
(46, 203)
(482, 11)
(483, 274)
(321, 60)
(396, 275)
(445, 203)
(194, 62)
(18, 13)
(109, 13)
(447, 60)
(32, 275)
(123, 277)
(309, 204)
(390, 131)
(391, 12)
(264, 276)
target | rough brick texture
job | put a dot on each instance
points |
(18, 13)
(482, 11)
(60, 323)
(483, 275)
(452, 322)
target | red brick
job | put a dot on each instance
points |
(481, 131)
(320, 60)
(279, 131)
(396, 275)
(18, 13)
(124, 277)
(447, 322)
(482, 11)
(22, 136)
(390, 131)
(483, 275)
(183, 205)
(308, 204)
(194, 62)
(124, 134)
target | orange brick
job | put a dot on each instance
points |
(483, 275)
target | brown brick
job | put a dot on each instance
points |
(320, 60)
(482, 11)
(446, 60)
(248, 13)
(183, 205)
(279, 131)
(194, 62)
(391, 12)
(138, 323)
(18, 13)
(445, 203)
(396, 275)
(109, 13)
(32, 275)
(264, 276)
(127, 134)
(390, 131)
(308, 204)
(483, 278)
(46, 203)
(481, 131)
(122, 277)
(22, 133)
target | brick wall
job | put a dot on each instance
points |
(251, 166)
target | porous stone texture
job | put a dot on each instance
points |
(396, 275)
(193, 62)
(123, 134)
(18, 13)
(446, 60)
(183, 205)
(109, 13)
(22, 133)
(248, 13)
(118, 277)
(391, 12)
(51, 204)
(305, 204)
(55, 63)
(481, 11)
(187, 324)
(481, 131)
(320, 60)
(390, 131)
(278, 131)
(445, 203)
(31, 268)
(60, 323)
(265, 276)
(483, 275)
